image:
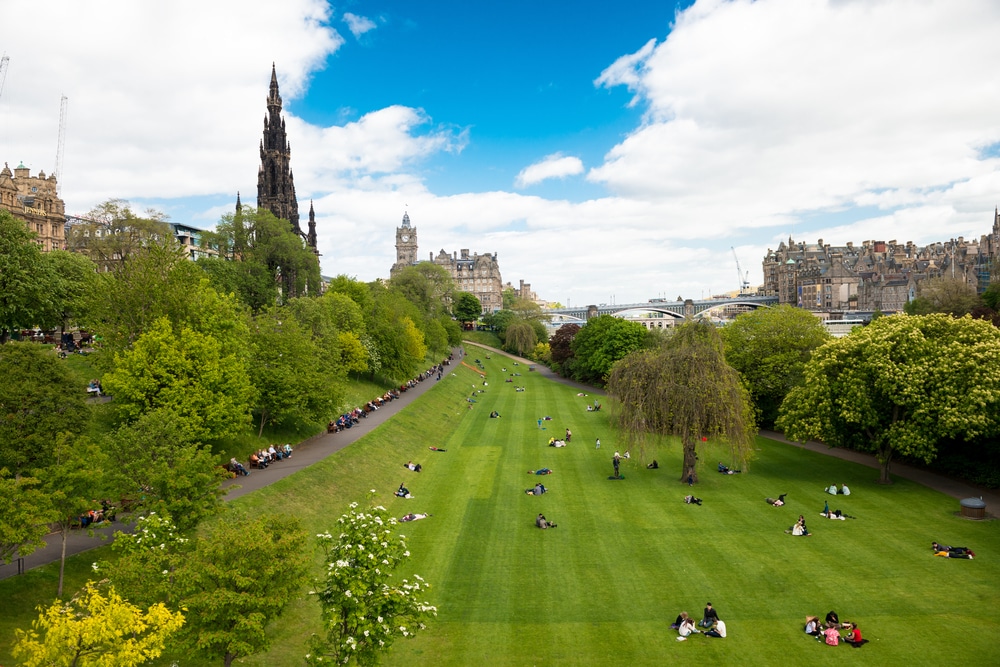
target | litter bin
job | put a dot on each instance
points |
(973, 508)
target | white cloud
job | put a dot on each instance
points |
(828, 119)
(556, 165)
(358, 25)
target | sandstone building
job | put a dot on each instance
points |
(475, 273)
(877, 275)
(33, 200)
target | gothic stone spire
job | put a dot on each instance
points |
(275, 184)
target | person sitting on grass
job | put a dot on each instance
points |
(799, 528)
(654, 465)
(494, 415)
(542, 522)
(403, 492)
(691, 500)
(776, 502)
(832, 489)
(718, 630)
(687, 627)
(538, 490)
(844, 491)
(709, 617)
(854, 637)
(540, 471)
(812, 625)
(831, 636)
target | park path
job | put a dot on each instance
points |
(323, 445)
(306, 453)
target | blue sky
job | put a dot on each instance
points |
(604, 151)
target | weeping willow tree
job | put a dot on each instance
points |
(686, 389)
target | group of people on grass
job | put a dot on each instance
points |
(833, 632)
(686, 626)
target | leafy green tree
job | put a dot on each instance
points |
(605, 340)
(187, 373)
(397, 343)
(24, 295)
(239, 578)
(509, 296)
(359, 292)
(499, 322)
(900, 386)
(291, 374)
(96, 630)
(770, 347)
(115, 233)
(686, 389)
(364, 609)
(943, 295)
(161, 469)
(147, 559)
(991, 296)
(427, 286)
(72, 279)
(39, 399)
(73, 481)
(467, 307)
(521, 337)
(252, 282)
(452, 330)
(24, 518)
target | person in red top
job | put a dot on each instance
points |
(854, 636)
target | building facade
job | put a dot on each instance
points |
(33, 200)
(474, 273)
(275, 180)
(877, 275)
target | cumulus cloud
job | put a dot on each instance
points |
(762, 120)
(556, 165)
(358, 25)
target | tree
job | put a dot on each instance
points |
(684, 388)
(363, 609)
(943, 295)
(162, 469)
(25, 513)
(252, 282)
(770, 347)
(239, 577)
(72, 279)
(289, 370)
(147, 560)
(520, 338)
(40, 398)
(94, 630)
(114, 233)
(427, 286)
(397, 344)
(467, 307)
(509, 295)
(187, 373)
(561, 346)
(601, 343)
(23, 293)
(900, 386)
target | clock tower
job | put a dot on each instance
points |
(406, 245)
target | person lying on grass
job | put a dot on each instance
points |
(538, 490)
(540, 471)
(776, 502)
(691, 500)
(413, 517)
(415, 467)
(952, 552)
(542, 522)
(437, 449)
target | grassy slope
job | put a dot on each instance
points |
(629, 555)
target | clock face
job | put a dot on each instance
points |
(405, 238)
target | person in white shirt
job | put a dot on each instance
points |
(718, 630)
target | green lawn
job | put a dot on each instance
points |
(603, 587)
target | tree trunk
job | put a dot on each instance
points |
(62, 558)
(884, 459)
(689, 471)
(229, 658)
(261, 431)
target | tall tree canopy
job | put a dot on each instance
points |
(900, 386)
(770, 347)
(24, 297)
(684, 388)
(944, 295)
(467, 307)
(115, 233)
(601, 343)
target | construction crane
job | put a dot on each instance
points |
(744, 277)
(4, 60)
(60, 147)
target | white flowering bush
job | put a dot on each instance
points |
(147, 558)
(364, 608)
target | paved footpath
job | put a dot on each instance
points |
(306, 453)
(320, 446)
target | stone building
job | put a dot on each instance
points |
(275, 181)
(475, 273)
(33, 200)
(878, 275)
